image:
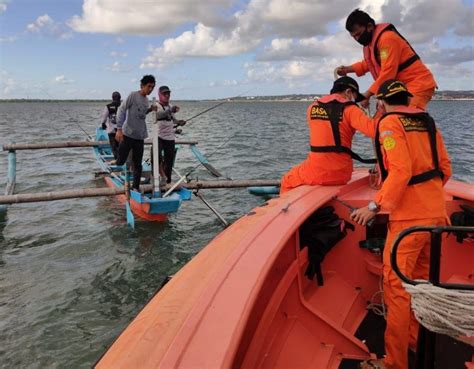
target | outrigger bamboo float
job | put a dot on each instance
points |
(245, 301)
(152, 203)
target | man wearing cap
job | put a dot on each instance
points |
(166, 131)
(415, 166)
(108, 121)
(388, 55)
(131, 127)
(333, 121)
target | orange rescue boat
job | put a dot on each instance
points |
(244, 301)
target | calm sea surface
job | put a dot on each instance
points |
(73, 275)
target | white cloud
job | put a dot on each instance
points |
(203, 42)
(225, 83)
(8, 39)
(118, 67)
(144, 17)
(116, 54)
(3, 6)
(40, 23)
(45, 25)
(62, 80)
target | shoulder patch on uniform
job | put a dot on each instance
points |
(384, 53)
(389, 143)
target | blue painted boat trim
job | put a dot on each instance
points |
(264, 190)
(202, 159)
(157, 205)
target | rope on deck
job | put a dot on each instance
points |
(445, 311)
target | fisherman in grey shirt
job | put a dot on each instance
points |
(131, 126)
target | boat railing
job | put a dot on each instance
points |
(425, 354)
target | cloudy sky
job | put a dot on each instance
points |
(213, 48)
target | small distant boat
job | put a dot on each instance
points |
(245, 302)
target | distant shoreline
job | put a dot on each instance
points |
(440, 96)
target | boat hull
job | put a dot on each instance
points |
(144, 206)
(244, 301)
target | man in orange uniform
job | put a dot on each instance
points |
(388, 55)
(415, 166)
(333, 121)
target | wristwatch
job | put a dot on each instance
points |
(373, 207)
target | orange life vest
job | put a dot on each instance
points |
(331, 112)
(371, 54)
(416, 122)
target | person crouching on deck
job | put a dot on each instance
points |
(166, 131)
(333, 121)
(415, 166)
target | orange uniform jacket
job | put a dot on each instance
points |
(406, 152)
(329, 168)
(392, 51)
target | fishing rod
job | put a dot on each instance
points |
(217, 105)
(70, 117)
(186, 175)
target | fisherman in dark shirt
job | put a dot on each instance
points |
(108, 121)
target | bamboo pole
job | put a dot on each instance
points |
(242, 183)
(60, 195)
(107, 191)
(68, 144)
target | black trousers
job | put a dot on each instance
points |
(137, 155)
(114, 145)
(166, 152)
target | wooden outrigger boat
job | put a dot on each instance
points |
(152, 203)
(150, 206)
(244, 301)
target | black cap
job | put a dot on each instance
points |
(350, 83)
(163, 89)
(116, 96)
(390, 88)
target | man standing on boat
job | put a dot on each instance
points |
(414, 166)
(388, 55)
(109, 121)
(166, 131)
(131, 126)
(333, 121)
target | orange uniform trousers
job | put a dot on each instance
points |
(421, 99)
(413, 257)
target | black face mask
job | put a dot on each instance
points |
(365, 38)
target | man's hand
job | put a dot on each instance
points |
(364, 103)
(341, 70)
(362, 215)
(119, 135)
(174, 109)
(180, 122)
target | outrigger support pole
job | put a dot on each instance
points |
(224, 222)
(68, 144)
(106, 191)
